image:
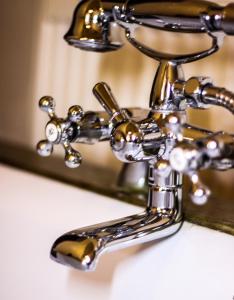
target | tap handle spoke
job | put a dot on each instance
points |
(72, 157)
(199, 193)
(75, 114)
(47, 104)
(44, 148)
(60, 132)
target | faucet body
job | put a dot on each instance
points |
(159, 136)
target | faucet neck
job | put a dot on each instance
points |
(167, 74)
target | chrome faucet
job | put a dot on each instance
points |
(159, 136)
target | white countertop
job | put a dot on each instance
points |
(196, 263)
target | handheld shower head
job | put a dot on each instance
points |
(93, 27)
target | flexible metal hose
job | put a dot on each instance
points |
(218, 96)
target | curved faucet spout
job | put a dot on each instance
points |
(162, 217)
(82, 248)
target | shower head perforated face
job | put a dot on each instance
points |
(93, 28)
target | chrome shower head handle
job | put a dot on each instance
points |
(95, 22)
(217, 41)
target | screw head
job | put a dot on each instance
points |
(53, 132)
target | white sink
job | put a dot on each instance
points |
(197, 263)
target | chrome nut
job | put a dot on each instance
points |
(193, 87)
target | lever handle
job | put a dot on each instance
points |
(105, 97)
(60, 131)
(126, 138)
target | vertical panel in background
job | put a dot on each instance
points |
(19, 31)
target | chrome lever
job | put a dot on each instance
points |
(105, 97)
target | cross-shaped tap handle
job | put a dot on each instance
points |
(60, 131)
